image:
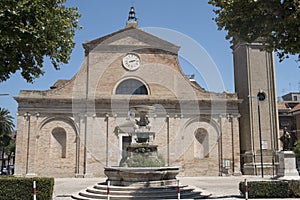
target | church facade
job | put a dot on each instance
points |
(79, 126)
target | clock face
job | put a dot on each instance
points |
(131, 61)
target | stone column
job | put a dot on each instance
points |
(32, 123)
(80, 147)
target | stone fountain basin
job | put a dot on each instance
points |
(142, 108)
(131, 175)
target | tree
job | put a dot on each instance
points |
(276, 21)
(31, 30)
(297, 149)
(6, 128)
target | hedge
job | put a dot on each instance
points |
(294, 186)
(16, 188)
(271, 189)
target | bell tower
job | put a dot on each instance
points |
(254, 73)
(132, 20)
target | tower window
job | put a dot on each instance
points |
(131, 87)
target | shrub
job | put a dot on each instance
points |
(294, 186)
(15, 188)
(266, 189)
(272, 189)
(297, 149)
(144, 161)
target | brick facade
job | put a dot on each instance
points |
(78, 127)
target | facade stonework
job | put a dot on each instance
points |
(81, 125)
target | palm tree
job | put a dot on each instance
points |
(6, 128)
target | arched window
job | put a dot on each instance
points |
(201, 136)
(131, 87)
(60, 140)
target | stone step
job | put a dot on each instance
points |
(86, 195)
(146, 183)
(98, 191)
(103, 186)
(139, 192)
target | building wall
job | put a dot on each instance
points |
(293, 96)
(52, 155)
(76, 129)
(298, 126)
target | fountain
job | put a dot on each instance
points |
(142, 165)
(141, 173)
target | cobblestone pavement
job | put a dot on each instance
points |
(216, 187)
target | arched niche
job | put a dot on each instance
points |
(59, 142)
(201, 136)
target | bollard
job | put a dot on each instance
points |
(34, 190)
(246, 190)
(178, 189)
(108, 190)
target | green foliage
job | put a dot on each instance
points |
(10, 148)
(271, 189)
(294, 186)
(12, 188)
(31, 30)
(139, 160)
(277, 22)
(143, 150)
(6, 127)
(297, 149)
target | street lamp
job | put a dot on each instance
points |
(261, 96)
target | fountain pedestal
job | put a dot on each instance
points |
(142, 176)
(142, 165)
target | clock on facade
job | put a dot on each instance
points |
(131, 61)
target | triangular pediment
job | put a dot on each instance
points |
(129, 41)
(129, 37)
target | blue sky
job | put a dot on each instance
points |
(192, 18)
